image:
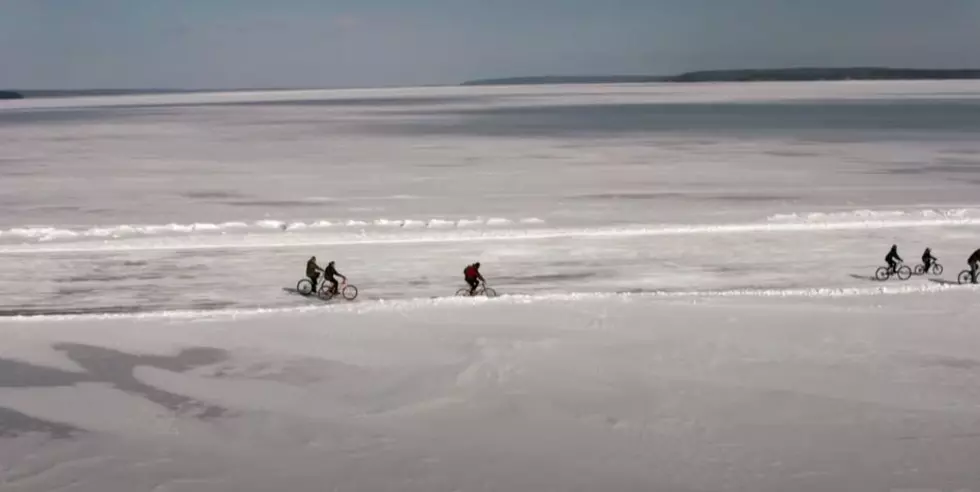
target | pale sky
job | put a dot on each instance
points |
(341, 43)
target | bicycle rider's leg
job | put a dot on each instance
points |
(314, 278)
(333, 285)
(473, 285)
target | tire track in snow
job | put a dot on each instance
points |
(382, 305)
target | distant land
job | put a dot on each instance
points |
(756, 75)
(31, 94)
(24, 94)
(747, 75)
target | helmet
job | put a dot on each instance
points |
(477, 264)
(330, 264)
(313, 258)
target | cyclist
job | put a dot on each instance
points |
(928, 260)
(974, 262)
(891, 257)
(313, 271)
(328, 276)
(472, 275)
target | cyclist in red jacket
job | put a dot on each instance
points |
(472, 275)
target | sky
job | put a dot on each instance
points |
(82, 44)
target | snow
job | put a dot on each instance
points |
(606, 393)
(682, 309)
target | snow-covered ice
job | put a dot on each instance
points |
(686, 276)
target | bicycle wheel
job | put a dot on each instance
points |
(882, 273)
(464, 292)
(489, 292)
(304, 287)
(965, 277)
(904, 273)
(326, 292)
(937, 269)
(349, 292)
(920, 269)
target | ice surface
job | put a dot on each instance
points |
(686, 276)
(614, 393)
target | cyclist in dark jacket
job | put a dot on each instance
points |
(928, 260)
(313, 271)
(974, 262)
(328, 276)
(891, 257)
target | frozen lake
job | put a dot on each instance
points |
(685, 268)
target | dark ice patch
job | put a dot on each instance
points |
(668, 195)
(838, 121)
(202, 253)
(751, 198)
(957, 165)
(146, 305)
(211, 195)
(556, 277)
(360, 102)
(274, 203)
(35, 311)
(963, 152)
(630, 196)
(14, 423)
(108, 277)
(55, 116)
(97, 277)
(17, 374)
(951, 165)
(948, 362)
(210, 305)
(58, 208)
(76, 291)
(102, 365)
(793, 153)
(905, 171)
(116, 368)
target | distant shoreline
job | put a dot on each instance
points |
(752, 75)
(52, 93)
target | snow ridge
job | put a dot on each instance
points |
(954, 214)
(48, 233)
(513, 299)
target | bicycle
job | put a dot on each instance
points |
(965, 277)
(347, 291)
(482, 290)
(884, 273)
(937, 269)
(305, 287)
